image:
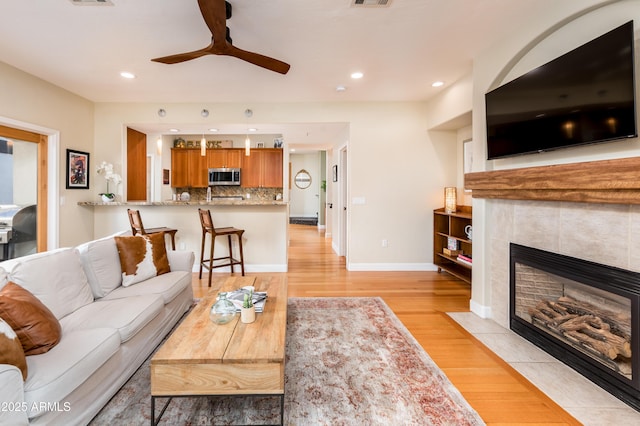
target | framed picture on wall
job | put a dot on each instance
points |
(335, 173)
(77, 169)
(165, 176)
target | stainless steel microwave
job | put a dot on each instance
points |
(224, 176)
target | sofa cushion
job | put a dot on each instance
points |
(168, 286)
(56, 278)
(101, 263)
(128, 315)
(11, 351)
(36, 326)
(55, 374)
(142, 257)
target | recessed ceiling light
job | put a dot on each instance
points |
(127, 74)
(253, 129)
(437, 84)
(213, 130)
(292, 150)
(174, 130)
(340, 88)
(357, 75)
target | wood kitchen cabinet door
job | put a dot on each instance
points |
(272, 168)
(221, 157)
(179, 168)
(262, 169)
(198, 170)
(251, 176)
(188, 169)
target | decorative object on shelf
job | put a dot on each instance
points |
(468, 230)
(106, 170)
(223, 311)
(77, 169)
(278, 142)
(179, 143)
(452, 243)
(248, 311)
(450, 199)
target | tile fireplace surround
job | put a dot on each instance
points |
(589, 211)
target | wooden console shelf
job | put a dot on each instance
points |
(451, 225)
(608, 181)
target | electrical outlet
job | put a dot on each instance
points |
(385, 243)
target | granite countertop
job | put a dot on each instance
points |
(215, 202)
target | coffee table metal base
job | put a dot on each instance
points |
(155, 421)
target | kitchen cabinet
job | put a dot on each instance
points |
(188, 169)
(451, 226)
(262, 169)
(224, 157)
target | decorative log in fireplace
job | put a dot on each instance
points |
(597, 330)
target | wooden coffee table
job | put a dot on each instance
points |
(201, 358)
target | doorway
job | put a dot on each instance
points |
(29, 158)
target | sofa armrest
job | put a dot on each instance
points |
(181, 260)
(14, 409)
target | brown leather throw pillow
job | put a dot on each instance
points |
(11, 351)
(142, 257)
(36, 326)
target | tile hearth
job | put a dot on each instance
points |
(584, 400)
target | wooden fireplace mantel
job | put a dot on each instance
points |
(608, 181)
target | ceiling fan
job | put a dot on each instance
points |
(215, 14)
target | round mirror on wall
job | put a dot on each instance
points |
(302, 179)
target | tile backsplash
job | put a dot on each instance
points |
(200, 194)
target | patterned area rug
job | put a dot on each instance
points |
(350, 361)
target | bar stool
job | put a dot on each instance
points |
(207, 228)
(137, 228)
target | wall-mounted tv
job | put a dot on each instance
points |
(584, 96)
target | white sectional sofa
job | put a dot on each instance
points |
(107, 330)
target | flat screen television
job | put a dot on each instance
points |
(584, 96)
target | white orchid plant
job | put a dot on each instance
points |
(106, 170)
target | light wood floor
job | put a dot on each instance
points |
(495, 390)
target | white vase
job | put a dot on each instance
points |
(248, 315)
(107, 199)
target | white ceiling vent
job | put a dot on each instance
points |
(92, 2)
(370, 3)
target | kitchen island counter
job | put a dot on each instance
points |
(265, 222)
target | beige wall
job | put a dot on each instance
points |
(536, 44)
(34, 103)
(383, 137)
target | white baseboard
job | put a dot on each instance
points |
(480, 310)
(391, 267)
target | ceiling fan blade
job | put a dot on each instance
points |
(258, 59)
(182, 57)
(214, 13)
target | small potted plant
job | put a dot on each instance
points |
(248, 311)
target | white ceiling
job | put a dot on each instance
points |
(401, 49)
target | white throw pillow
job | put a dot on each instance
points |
(101, 263)
(56, 278)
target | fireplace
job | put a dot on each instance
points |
(583, 313)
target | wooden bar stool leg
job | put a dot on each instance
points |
(213, 244)
(241, 252)
(204, 235)
(230, 253)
